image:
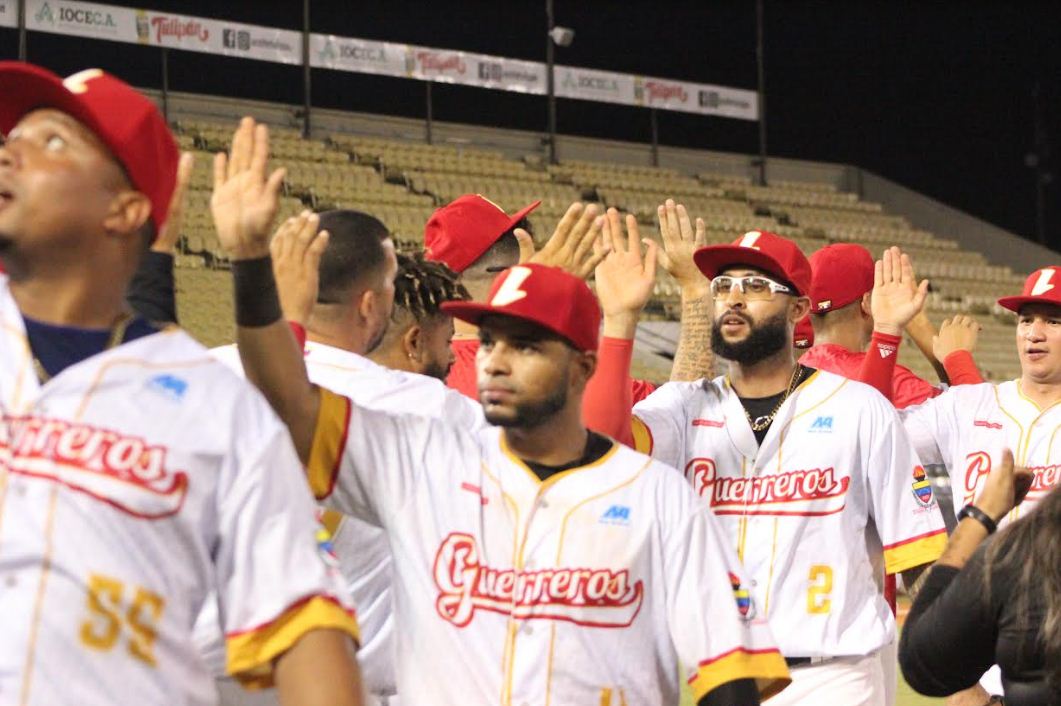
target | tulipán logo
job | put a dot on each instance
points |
(441, 63)
(815, 491)
(121, 470)
(659, 91)
(590, 597)
(178, 28)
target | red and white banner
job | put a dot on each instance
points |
(329, 51)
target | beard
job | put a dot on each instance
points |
(437, 370)
(529, 414)
(764, 340)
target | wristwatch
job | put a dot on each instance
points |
(980, 516)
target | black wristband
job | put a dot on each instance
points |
(257, 303)
(972, 511)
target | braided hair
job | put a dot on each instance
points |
(421, 286)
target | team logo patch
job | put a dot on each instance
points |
(743, 597)
(922, 487)
(168, 386)
(616, 515)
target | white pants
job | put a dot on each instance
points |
(889, 660)
(846, 681)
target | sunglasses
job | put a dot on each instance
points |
(751, 286)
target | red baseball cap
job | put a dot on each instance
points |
(762, 250)
(126, 121)
(1042, 287)
(543, 295)
(841, 274)
(461, 231)
(803, 334)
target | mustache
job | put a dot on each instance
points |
(733, 312)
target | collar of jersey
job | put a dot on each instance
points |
(552, 480)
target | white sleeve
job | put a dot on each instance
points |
(276, 577)
(928, 425)
(902, 502)
(712, 619)
(367, 463)
(659, 424)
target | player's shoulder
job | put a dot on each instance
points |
(823, 386)
(664, 478)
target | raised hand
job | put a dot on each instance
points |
(957, 334)
(1005, 488)
(245, 200)
(679, 244)
(574, 246)
(625, 277)
(897, 297)
(296, 251)
(171, 231)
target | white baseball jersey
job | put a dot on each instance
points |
(967, 427)
(585, 588)
(364, 555)
(131, 485)
(834, 488)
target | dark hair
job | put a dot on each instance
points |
(421, 287)
(1029, 550)
(355, 251)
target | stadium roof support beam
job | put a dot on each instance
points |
(21, 30)
(550, 81)
(760, 69)
(307, 107)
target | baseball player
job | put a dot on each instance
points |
(535, 561)
(811, 475)
(132, 464)
(345, 303)
(419, 335)
(967, 427)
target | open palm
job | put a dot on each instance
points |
(625, 277)
(244, 201)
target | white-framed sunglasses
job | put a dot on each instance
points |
(751, 286)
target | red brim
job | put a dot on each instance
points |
(521, 214)
(474, 313)
(1014, 304)
(714, 258)
(26, 88)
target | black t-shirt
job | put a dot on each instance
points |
(596, 447)
(763, 406)
(962, 623)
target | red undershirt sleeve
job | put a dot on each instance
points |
(961, 369)
(608, 399)
(878, 365)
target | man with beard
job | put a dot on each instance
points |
(811, 474)
(419, 335)
(534, 560)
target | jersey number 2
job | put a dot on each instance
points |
(108, 612)
(821, 585)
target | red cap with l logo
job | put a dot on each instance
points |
(762, 250)
(1042, 287)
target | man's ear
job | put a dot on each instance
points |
(800, 308)
(867, 305)
(412, 343)
(367, 302)
(585, 366)
(127, 213)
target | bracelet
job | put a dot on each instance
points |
(257, 303)
(972, 511)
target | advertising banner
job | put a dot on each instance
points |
(328, 51)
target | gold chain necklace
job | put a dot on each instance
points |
(116, 336)
(760, 423)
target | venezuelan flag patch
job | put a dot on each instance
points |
(922, 487)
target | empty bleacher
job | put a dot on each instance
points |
(402, 182)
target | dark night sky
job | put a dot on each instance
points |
(937, 96)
